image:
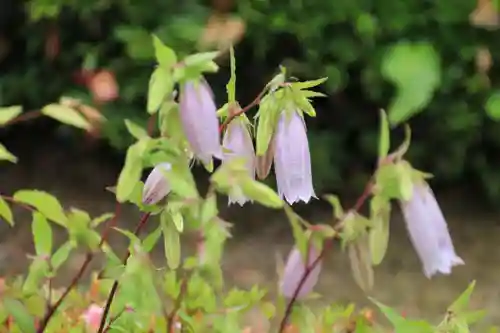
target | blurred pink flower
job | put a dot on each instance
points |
(238, 143)
(429, 232)
(156, 186)
(295, 270)
(292, 159)
(92, 317)
(199, 120)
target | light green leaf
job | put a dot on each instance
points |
(395, 318)
(462, 302)
(165, 56)
(43, 202)
(6, 212)
(135, 130)
(6, 155)
(66, 115)
(151, 240)
(160, 86)
(299, 235)
(8, 113)
(263, 194)
(200, 58)
(131, 172)
(493, 106)
(209, 209)
(334, 200)
(415, 69)
(266, 123)
(359, 258)
(171, 240)
(384, 139)
(61, 255)
(309, 84)
(379, 233)
(231, 85)
(42, 234)
(22, 318)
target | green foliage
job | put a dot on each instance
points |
(189, 291)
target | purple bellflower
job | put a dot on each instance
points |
(198, 115)
(292, 159)
(294, 271)
(429, 232)
(156, 186)
(237, 143)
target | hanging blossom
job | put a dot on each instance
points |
(199, 120)
(237, 143)
(294, 271)
(292, 159)
(92, 317)
(156, 186)
(429, 232)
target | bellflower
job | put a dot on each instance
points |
(292, 159)
(156, 186)
(238, 144)
(429, 232)
(294, 271)
(198, 115)
(92, 317)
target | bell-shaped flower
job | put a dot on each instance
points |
(92, 317)
(429, 232)
(198, 114)
(237, 143)
(292, 159)
(156, 186)
(294, 272)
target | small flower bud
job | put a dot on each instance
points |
(156, 186)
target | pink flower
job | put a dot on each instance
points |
(294, 272)
(238, 143)
(156, 186)
(198, 115)
(92, 317)
(429, 232)
(292, 159)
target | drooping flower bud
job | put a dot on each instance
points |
(294, 271)
(292, 159)
(156, 186)
(92, 317)
(238, 143)
(198, 115)
(429, 232)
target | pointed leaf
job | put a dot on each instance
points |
(384, 139)
(6, 155)
(42, 235)
(66, 115)
(6, 212)
(171, 240)
(165, 56)
(22, 318)
(8, 113)
(43, 202)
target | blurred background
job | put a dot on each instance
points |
(100, 52)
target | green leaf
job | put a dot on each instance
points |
(200, 58)
(8, 113)
(66, 115)
(165, 56)
(42, 234)
(61, 255)
(267, 116)
(209, 209)
(135, 130)
(160, 86)
(462, 302)
(151, 240)
(338, 211)
(231, 85)
(395, 318)
(309, 84)
(299, 235)
(171, 240)
(22, 318)
(6, 155)
(131, 172)
(384, 139)
(415, 69)
(6, 212)
(263, 194)
(493, 106)
(359, 258)
(43, 202)
(379, 233)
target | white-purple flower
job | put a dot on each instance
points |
(292, 159)
(156, 186)
(294, 272)
(198, 115)
(429, 232)
(237, 143)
